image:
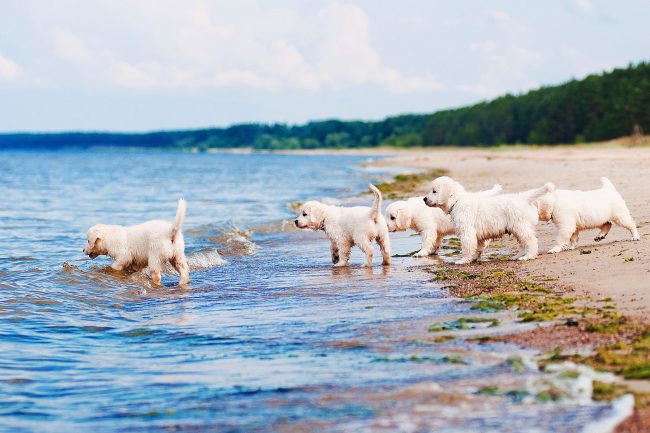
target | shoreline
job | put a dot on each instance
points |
(594, 305)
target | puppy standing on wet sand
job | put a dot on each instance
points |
(151, 244)
(348, 226)
(431, 222)
(573, 211)
(478, 218)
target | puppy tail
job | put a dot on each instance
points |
(180, 217)
(534, 194)
(376, 205)
(495, 190)
(606, 183)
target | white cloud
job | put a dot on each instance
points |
(195, 44)
(9, 70)
(584, 5)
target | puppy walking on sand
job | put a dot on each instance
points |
(150, 244)
(431, 222)
(574, 211)
(478, 218)
(348, 226)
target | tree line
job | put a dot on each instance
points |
(598, 107)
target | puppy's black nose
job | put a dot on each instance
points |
(295, 222)
(424, 199)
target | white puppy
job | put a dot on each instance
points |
(574, 211)
(151, 244)
(478, 218)
(348, 226)
(431, 222)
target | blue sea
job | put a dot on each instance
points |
(269, 338)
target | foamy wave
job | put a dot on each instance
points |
(232, 240)
(206, 259)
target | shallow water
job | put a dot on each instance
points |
(269, 338)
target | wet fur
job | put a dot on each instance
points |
(150, 244)
(347, 227)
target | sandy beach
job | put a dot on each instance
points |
(615, 267)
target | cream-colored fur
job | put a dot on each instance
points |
(478, 218)
(574, 211)
(431, 222)
(151, 244)
(348, 226)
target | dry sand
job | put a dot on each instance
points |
(600, 269)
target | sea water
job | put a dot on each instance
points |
(268, 338)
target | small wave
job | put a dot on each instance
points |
(233, 240)
(205, 259)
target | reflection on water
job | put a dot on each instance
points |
(269, 338)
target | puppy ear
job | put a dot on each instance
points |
(403, 219)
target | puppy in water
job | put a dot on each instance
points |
(151, 244)
(348, 226)
(478, 218)
(574, 211)
(431, 222)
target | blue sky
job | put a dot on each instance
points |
(164, 64)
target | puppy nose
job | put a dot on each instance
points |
(424, 199)
(295, 222)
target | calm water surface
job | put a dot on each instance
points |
(269, 338)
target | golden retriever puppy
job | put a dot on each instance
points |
(574, 211)
(431, 222)
(479, 218)
(151, 244)
(348, 226)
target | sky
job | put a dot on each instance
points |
(141, 65)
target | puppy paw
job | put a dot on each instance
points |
(599, 238)
(524, 258)
(463, 261)
(554, 250)
(422, 253)
(636, 238)
(340, 264)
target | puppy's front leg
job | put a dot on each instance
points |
(429, 241)
(563, 238)
(344, 254)
(118, 265)
(334, 249)
(468, 244)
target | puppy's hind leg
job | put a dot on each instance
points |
(573, 242)
(604, 229)
(626, 221)
(383, 240)
(366, 246)
(155, 270)
(183, 269)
